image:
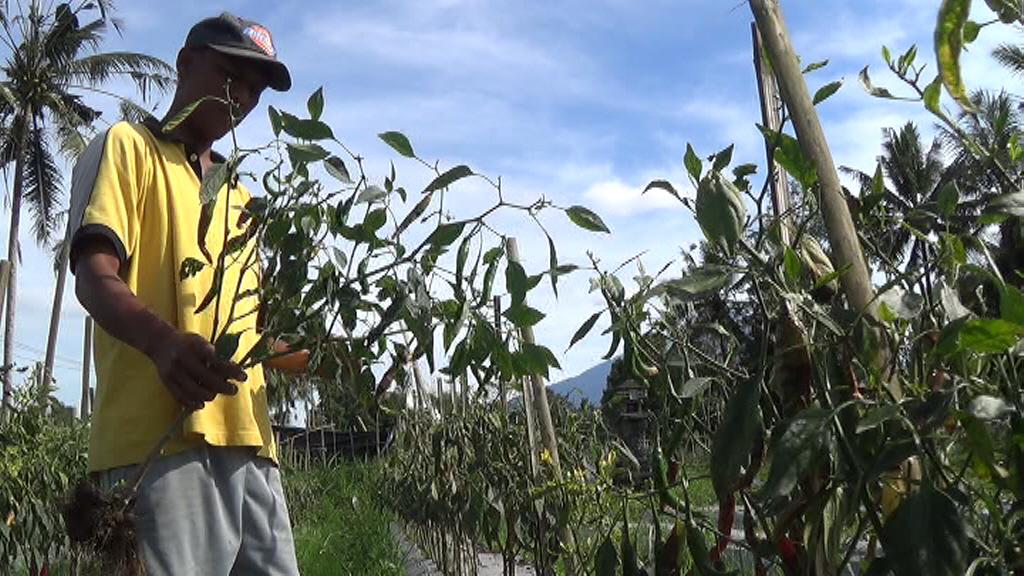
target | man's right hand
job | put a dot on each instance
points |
(191, 371)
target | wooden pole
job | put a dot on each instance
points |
(539, 401)
(86, 402)
(502, 389)
(771, 118)
(842, 235)
(5, 277)
(539, 390)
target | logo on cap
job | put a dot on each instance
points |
(261, 36)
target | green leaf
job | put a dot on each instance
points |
(398, 142)
(371, 194)
(553, 264)
(692, 163)
(735, 437)
(275, 120)
(460, 262)
(949, 36)
(695, 387)
(586, 219)
(876, 416)
(190, 267)
(516, 282)
(949, 197)
(723, 159)
(932, 96)
(791, 158)
(227, 345)
(336, 168)
(584, 329)
(523, 316)
(971, 31)
(826, 91)
(213, 180)
(492, 255)
(606, 562)
(416, 212)
(446, 234)
(375, 220)
(184, 113)
(792, 267)
(815, 66)
(926, 535)
(989, 336)
(663, 185)
(1011, 304)
(315, 104)
(797, 450)
(306, 153)
(448, 178)
(886, 55)
(704, 280)
(305, 129)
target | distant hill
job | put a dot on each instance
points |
(588, 385)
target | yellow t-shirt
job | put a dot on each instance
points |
(136, 187)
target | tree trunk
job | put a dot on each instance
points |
(58, 303)
(13, 255)
(846, 249)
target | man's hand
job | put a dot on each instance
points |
(187, 363)
(191, 371)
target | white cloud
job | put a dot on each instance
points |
(618, 198)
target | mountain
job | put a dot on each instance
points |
(588, 385)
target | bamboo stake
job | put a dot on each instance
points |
(543, 411)
(771, 118)
(846, 249)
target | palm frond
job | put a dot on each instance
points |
(42, 186)
(148, 73)
(131, 111)
(1011, 56)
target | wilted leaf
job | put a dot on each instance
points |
(989, 408)
(695, 386)
(949, 36)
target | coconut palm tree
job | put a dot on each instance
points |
(914, 176)
(53, 61)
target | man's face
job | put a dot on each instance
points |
(206, 72)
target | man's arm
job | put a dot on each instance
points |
(187, 363)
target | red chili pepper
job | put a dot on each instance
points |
(726, 517)
(788, 552)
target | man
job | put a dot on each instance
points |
(212, 503)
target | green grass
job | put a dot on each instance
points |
(339, 526)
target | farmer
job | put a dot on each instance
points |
(213, 502)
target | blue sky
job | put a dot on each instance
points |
(582, 102)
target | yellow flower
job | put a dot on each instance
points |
(545, 457)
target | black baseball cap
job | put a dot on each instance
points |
(234, 36)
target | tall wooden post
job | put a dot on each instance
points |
(771, 118)
(502, 388)
(539, 401)
(842, 235)
(86, 402)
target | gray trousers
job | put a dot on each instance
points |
(216, 511)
